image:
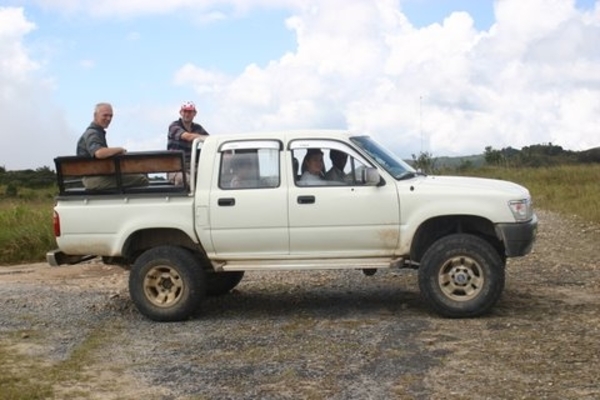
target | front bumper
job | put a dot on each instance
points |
(518, 238)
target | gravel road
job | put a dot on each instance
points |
(316, 335)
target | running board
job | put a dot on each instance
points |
(307, 264)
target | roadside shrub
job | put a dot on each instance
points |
(11, 190)
(27, 232)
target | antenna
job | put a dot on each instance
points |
(421, 122)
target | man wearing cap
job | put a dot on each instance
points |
(182, 133)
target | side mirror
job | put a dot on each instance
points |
(370, 176)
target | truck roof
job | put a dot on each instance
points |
(290, 134)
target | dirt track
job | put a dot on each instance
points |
(318, 335)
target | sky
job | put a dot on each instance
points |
(444, 77)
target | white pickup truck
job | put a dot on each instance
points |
(182, 243)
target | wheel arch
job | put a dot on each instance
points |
(435, 228)
(144, 239)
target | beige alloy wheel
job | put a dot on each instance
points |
(167, 283)
(461, 276)
(461, 279)
(163, 286)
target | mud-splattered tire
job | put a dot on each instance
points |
(220, 283)
(167, 283)
(461, 275)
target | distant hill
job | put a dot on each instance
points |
(455, 162)
(473, 161)
(538, 155)
(591, 155)
(586, 156)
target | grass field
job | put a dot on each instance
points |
(26, 227)
(26, 221)
(568, 189)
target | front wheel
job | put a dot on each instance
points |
(167, 283)
(461, 275)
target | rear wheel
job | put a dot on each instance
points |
(461, 275)
(167, 283)
(220, 283)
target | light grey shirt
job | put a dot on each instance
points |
(308, 179)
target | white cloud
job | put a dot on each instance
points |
(15, 62)
(202, 80)
(527, 80)
(31, 128)
(447, 88)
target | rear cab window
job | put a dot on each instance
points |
(250, 164)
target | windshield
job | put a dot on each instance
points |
(386, 159)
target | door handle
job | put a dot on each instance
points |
(227, 202)
(306, 199)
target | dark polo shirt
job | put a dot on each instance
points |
(174, 142)
(92, 139)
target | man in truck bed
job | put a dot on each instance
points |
(182, 132)
(92, 143)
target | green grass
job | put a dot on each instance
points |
(26, 232)
(566, 189)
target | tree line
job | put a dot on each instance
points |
(538, 155)
(41, 178)
(534, 156)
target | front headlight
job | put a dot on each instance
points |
(522, 209)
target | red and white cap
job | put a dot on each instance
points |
(188, 106)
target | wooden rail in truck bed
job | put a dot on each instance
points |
(70, 170)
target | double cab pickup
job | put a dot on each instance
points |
(247, 207)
